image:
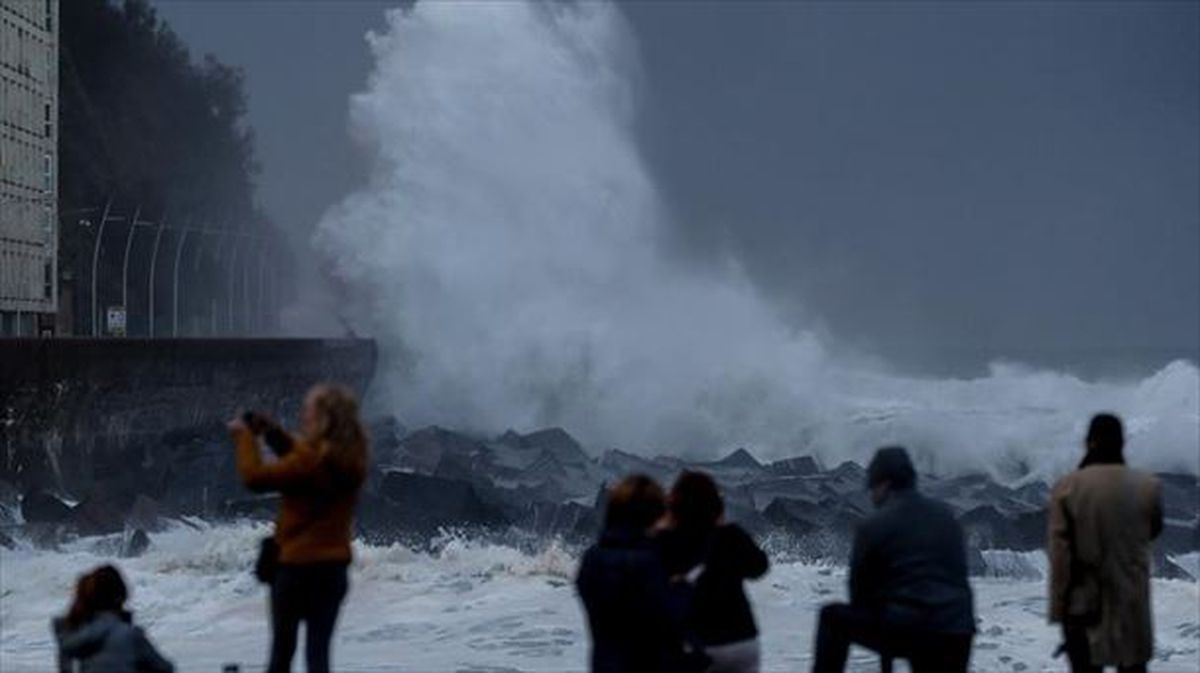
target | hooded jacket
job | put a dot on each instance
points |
(109, 643)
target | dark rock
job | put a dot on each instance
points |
(42, 507)
(559, 444)
(423, 450)
(48, 536)
(738, 459)
(804, 488)
(795, 516)
(570, 520)
(986, 528)
(428, 503)
(1031, 530)
(750, 519)
(1163, 567)
(1178, 539)
(1035, 494)
(511, 438)
(847, 477)
(135, 544)
(6, 541)
(617, 464)
(386, 434)
(800, 466)
(1180, 496)
(545, 467)
(976, 565)
(379, 520)
(738, 497)
(464, 467)
(146, 514)
(99, 515)
(10, 504)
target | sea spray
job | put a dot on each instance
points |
(507, 255)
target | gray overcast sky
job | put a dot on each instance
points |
(941, 183)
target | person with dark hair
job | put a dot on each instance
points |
(318, 476)
(909, 595)
(713, 559)
(1101, 523)
(634, 625)
(98, 633)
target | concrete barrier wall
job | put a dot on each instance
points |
(77, 415)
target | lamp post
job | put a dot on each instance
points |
(232, 277)
(133, 225)
(162, 222)
(175, 286)
(95, 268)
(262, 277)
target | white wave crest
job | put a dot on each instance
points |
(507, 254)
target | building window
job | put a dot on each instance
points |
(48, 281)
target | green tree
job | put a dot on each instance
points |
(143, 124)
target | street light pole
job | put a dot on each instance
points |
(162, 222)
(133, 224)
(247, 316)
(232, 278)
(95, 268)
(262, 276)
(175, 284)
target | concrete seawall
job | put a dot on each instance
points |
(122, 417)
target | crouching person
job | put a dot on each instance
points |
(318, 474)
(909, 596)
(98, 632)
(634, 623)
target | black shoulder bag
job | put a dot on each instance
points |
(267, 563)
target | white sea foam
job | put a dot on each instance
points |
(507, 254)
(475, 607)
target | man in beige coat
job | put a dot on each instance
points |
(1103, 518)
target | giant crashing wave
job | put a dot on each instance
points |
(508, 255)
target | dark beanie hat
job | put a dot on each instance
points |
(892, 464)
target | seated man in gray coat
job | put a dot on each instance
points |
(909, 596)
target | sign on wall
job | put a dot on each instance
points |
(115, 321)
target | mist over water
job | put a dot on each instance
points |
(508, 256)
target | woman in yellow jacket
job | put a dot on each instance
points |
(318, 475)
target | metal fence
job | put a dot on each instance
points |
(246, 301)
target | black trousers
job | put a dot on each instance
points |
(311, 593)
(1080, 654)
(841, 625)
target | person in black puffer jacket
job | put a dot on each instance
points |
(712, 559)
(635, 626)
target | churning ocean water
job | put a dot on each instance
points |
(480, 607)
